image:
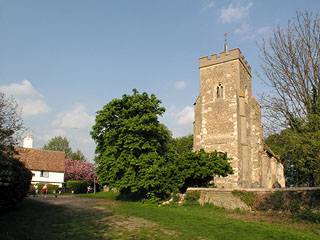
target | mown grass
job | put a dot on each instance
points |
(209, 222)
(38, 220)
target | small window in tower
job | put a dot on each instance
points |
(220, 91)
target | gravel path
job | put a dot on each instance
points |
(100, 211)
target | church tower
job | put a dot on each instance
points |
(228, 119)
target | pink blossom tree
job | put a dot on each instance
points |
(79, 170)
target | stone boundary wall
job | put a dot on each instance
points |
(223, 197)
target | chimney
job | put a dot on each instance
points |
(28, 141)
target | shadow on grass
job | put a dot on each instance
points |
(39, 220)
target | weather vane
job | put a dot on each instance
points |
(225, 44)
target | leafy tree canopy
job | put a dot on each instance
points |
(131, 143)
(78, 155)
(135, 154)
(61, 144)
(15, 178)
(197, 169)
(299, 152)
(183, 144)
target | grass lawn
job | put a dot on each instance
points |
(210, 222)
(133, 220)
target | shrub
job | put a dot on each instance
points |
(196, 169)
(310, 216)
(78, 186)
(50, 188)
(192, 198)
(15, 180)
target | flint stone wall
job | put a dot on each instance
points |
(223, 197)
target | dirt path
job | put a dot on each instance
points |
(100, 211)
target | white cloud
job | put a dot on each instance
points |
(211, 4)
(24, 89)
(77, 118)
(33, 107)
(185, 117)
(181, 84)
(234, 13)
(179, 121)
(28, 98)
(243, 29)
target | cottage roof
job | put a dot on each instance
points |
(35, 159)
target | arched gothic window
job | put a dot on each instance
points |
(220, 91)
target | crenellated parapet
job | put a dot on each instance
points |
(225, 57)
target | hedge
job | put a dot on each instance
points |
(15, 179)
(50, 188)
(78, 186)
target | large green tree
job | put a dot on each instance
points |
(135, 153)
(15, 178)
(132, 145)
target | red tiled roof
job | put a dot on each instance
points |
(35, 159)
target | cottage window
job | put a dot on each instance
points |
(44, 174)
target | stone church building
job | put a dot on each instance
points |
(228, 119)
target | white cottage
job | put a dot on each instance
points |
(46, 166)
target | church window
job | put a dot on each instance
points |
(220, 91)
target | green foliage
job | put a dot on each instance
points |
(309, 215)
(182, 144)
(175, 197)
(60, 144)
(192, 199)
(248, 198)
(196, 169)
(299, 150)
(132, 145)
(14, 177)
(78, 186)
(77, 155)
(15, 180)
(192, 196)
(50, 188)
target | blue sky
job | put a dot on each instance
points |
(63, 60)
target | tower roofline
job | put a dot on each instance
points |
(225, 57)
